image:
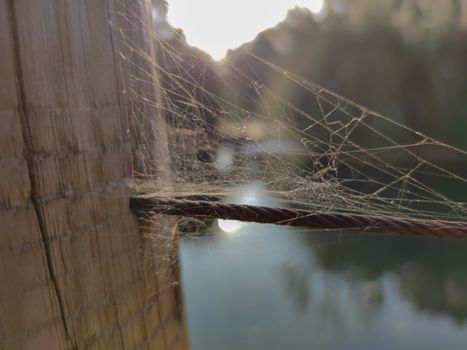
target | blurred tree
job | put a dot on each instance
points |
(405, 59)
(414, 17)
(431, 273)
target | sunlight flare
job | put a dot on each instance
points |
(229, 226)
(219, 25)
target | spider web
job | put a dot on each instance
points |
(237, 123)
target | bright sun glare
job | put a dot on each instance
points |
(229, 226)
(218, 25)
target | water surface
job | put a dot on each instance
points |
(273, 287)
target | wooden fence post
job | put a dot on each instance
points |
(73, 269)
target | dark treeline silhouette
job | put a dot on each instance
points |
(401, 59)
(405, 59)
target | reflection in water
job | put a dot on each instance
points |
(229, 226)
(431, 273)
(252, 194)
(271, 287)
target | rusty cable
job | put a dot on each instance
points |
(144, 206)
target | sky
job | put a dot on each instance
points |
(218, 25)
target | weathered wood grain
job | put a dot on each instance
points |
(76, 270)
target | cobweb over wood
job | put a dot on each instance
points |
(252, 121)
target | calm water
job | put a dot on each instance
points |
(271, 287)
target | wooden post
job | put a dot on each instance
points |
(75, 270)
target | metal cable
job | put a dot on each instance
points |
(145, 206)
